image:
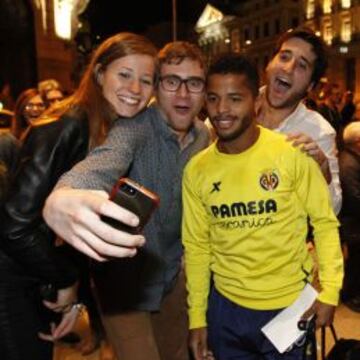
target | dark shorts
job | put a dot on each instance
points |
(234, 332)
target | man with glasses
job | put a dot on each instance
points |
(152, 149)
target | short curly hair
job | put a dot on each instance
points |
(177, 51)
(231, 63)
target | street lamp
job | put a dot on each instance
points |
(174, 20)
(66, 16)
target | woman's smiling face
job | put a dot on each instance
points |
(128, 83)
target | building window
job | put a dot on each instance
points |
(257, 32)
(310, 9)
(266, 60)
(345, 4)
(346, 30)
(266, 29)
(327, 6)
(294, 22)
(328, 35)
(235, 40)
(277, 26)
(246, 34)
(63, 15)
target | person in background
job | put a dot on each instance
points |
(349, 161)
(298, 64)
(6, 117)
(117, 84)
(330, 106)
(28, 108)
(246, 203)
(348, 108)
(9, 148)
(6, 98)
(51, 91)
(142, 298)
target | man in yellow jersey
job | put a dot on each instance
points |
(246, 201)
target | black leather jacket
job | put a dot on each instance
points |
(27, 250)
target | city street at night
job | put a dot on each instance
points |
(175, 175)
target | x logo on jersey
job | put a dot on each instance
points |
(216, 187)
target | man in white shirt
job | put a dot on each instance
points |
(297, 66)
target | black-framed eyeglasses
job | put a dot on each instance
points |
(173, 83)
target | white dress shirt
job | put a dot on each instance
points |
(313, 124)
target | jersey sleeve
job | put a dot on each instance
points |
(313, 192)
(195, 235)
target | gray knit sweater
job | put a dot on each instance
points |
(147, 151)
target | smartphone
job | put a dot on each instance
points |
(136, 198)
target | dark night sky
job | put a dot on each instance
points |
(109, 16)
(106, 17)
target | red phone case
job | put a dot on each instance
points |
(136, 198)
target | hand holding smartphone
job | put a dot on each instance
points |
(135, 198)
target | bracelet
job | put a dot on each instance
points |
(78, 306)
(74, 305)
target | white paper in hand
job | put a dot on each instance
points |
(283, 329)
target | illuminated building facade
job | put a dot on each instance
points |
(217, 32)
(255, 25)
(252, 29)
(56, 23)
(262, 22)
(338, 22)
